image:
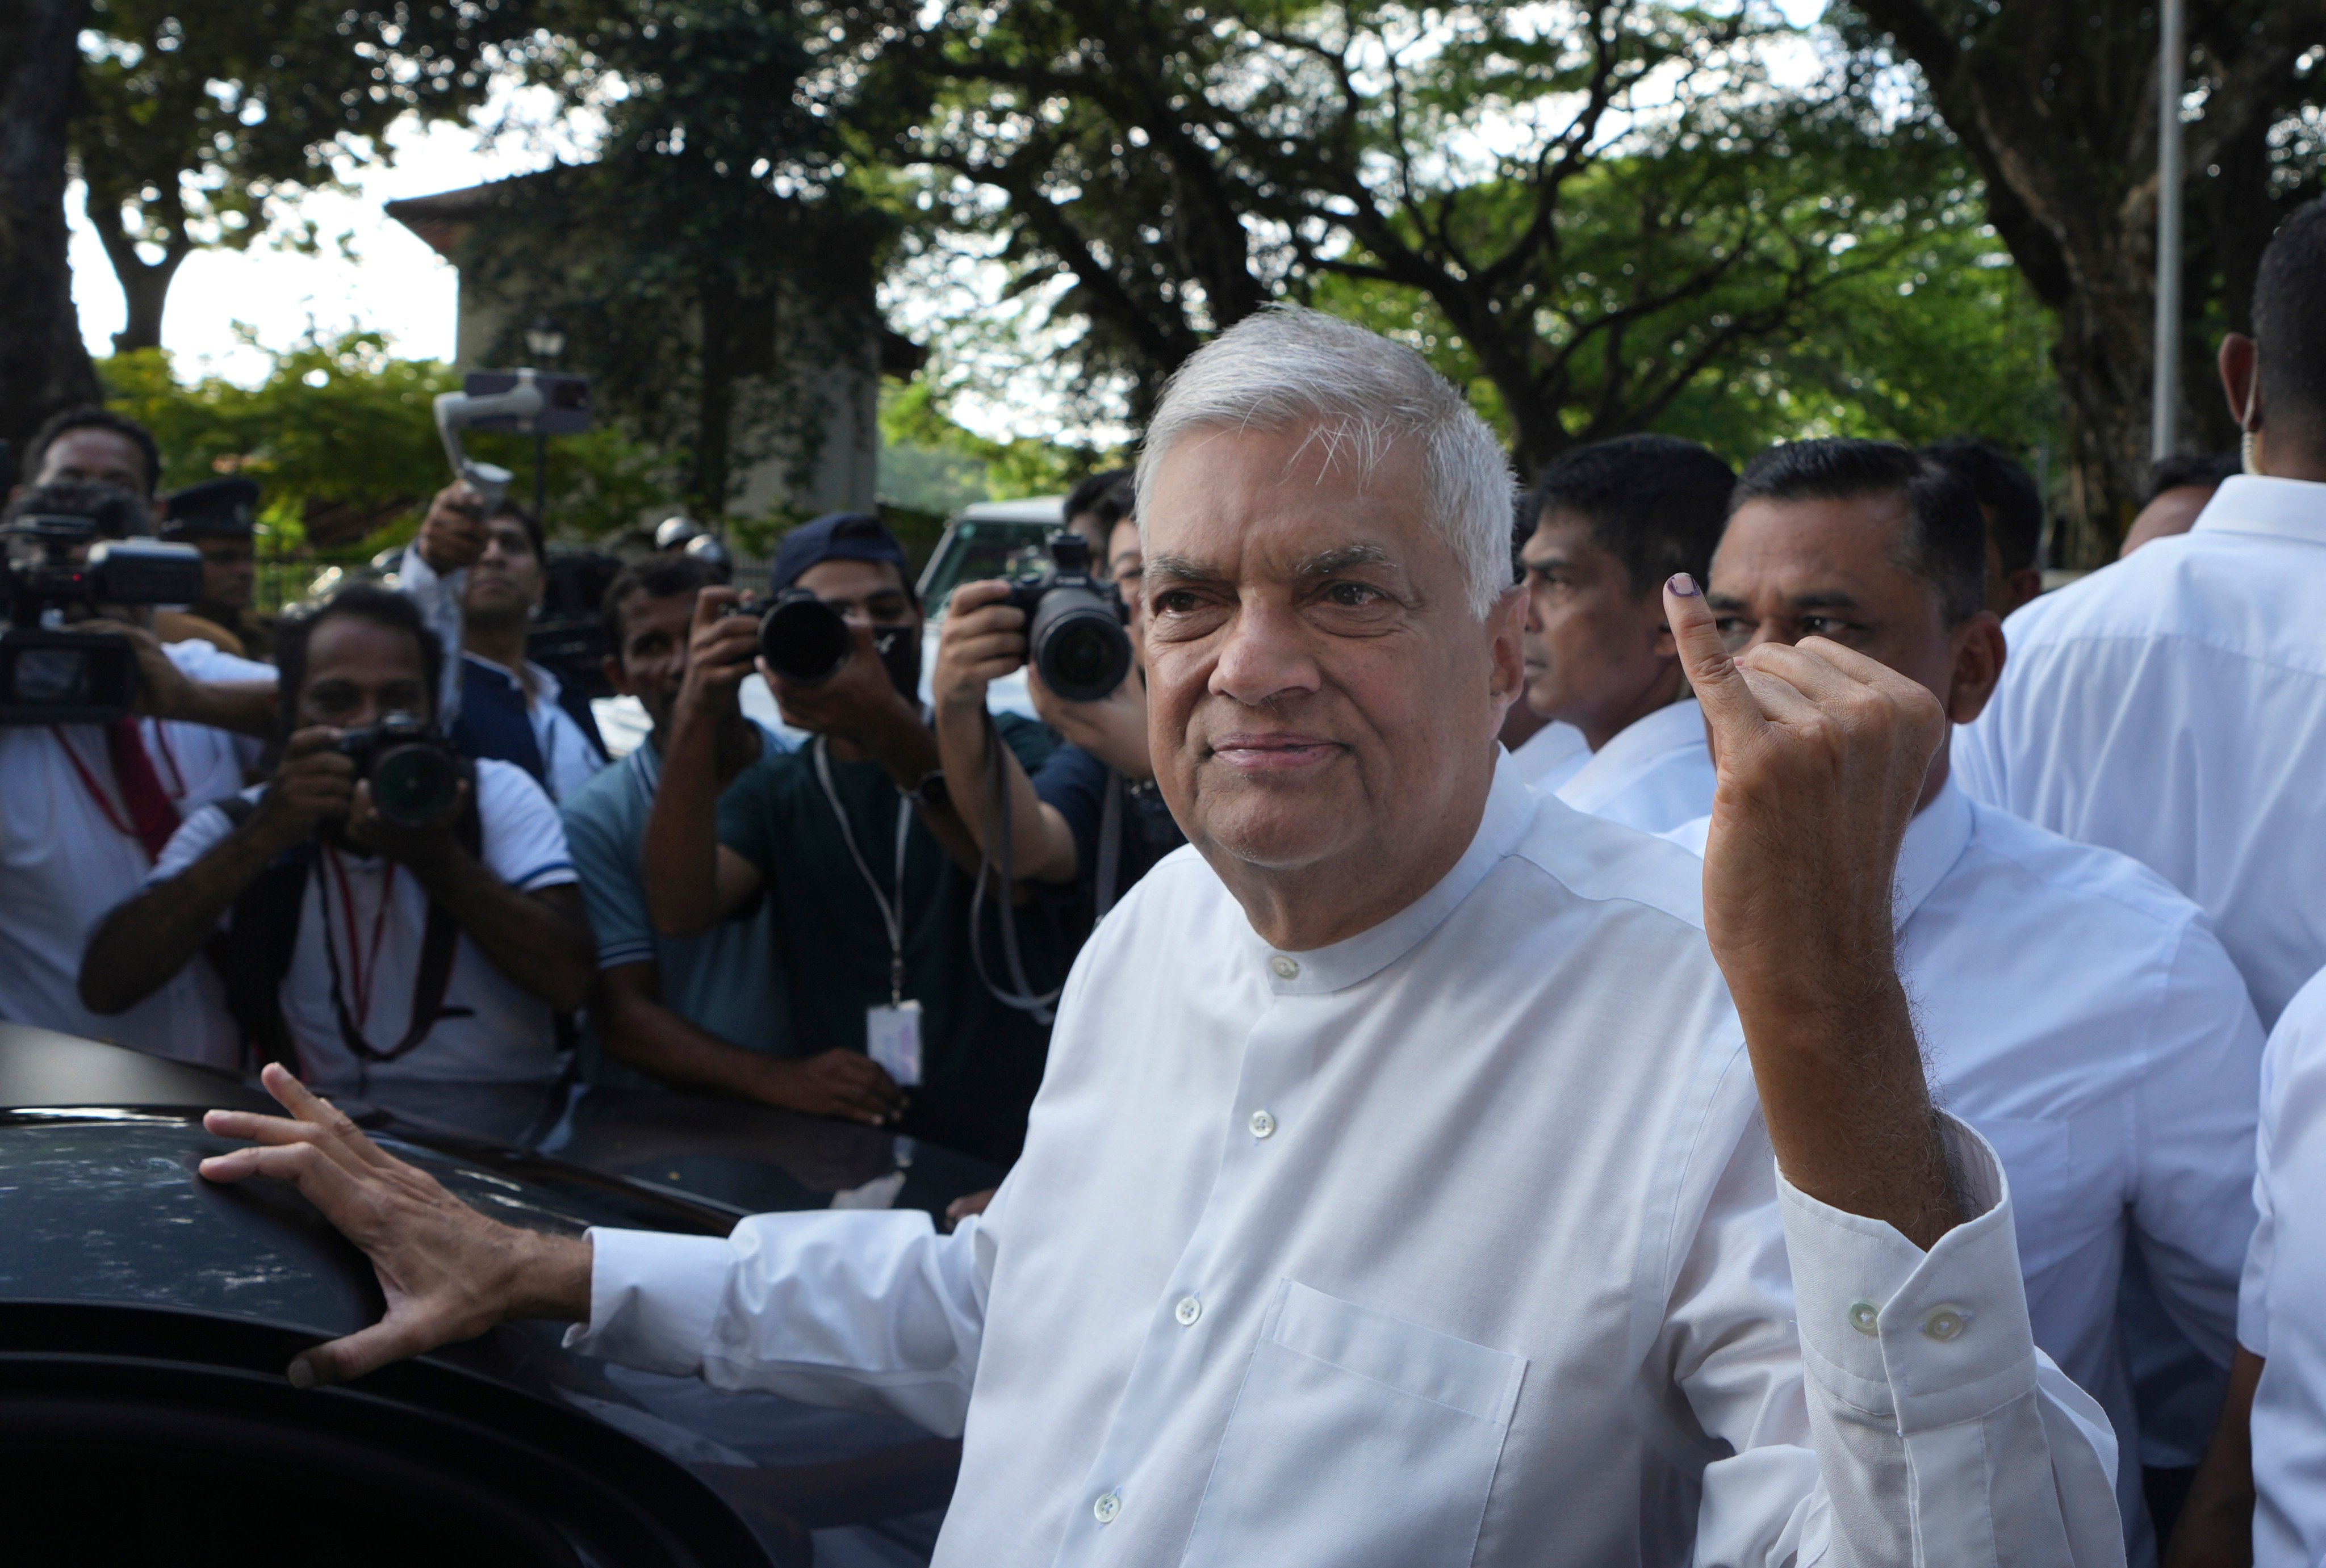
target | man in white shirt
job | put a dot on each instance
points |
(2174, 705)
(1400, 1190)
(2260, 1499)
(478, 581)
(392, 951)
(1612, 521)
(84, 809)
(2077, 1010)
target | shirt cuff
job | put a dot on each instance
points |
(653, 1298)
(1920, 1340)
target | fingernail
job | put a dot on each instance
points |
(1682, 584)
(302, 1375)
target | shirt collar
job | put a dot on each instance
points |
(2256, 504)
(1935, 840)
(1510, 808)
(1674, 726)
(547, 687)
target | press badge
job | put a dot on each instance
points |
(892, 1035)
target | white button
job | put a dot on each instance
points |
(1109, 1504)
(1262, 1124)
(1188, 1310)
(1285, 968)
(1865, 1317)
(1946, 1323)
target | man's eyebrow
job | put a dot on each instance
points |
(1341, 557)
(1723, 602)
(1181, 567)
(1827, 598)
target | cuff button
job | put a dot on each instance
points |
(1946, 1323)
(1865, 1317)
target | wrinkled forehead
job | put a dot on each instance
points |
(1237, 501)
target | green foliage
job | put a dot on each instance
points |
(342, 439)
(931, 463)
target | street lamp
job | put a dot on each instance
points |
(546, 341)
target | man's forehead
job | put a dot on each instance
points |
(88, 446)
(371, 648)
(844, 578)
(1854, 536)
(1226, 500)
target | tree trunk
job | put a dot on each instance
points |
(145, 287)
(44, 367)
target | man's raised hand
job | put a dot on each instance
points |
(448, 1272)
(1823, 754)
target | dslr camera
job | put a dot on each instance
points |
(807, 641)
(49, 673)
(414, 774)
(1074, 624)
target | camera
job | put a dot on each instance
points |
(414, 776)
(1074, 624)
(803, 639)
(49, 674)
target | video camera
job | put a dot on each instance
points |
(414, 776)
(1074, 624)
(49, 674)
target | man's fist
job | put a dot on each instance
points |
(721, 652)
(837, 1082)
(859, 704)
(454, 535)
(316, 783)
(984, 640)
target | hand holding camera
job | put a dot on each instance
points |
(315, 784)
(858, 702)
(720, 648)
(397, 786)
(454, 533)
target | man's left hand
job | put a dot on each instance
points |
(427, 848)
(859, 704)
(1822, 753)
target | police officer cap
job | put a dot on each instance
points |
(834, 536)
(214, 509)
(677, 532)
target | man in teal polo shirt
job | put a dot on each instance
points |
(853, 841)
(710, 1011)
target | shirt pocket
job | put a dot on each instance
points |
(1358, 1439)
(2038, 1157)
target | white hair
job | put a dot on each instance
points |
(1287, 366)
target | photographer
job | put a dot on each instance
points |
(1059, 813)
(709, 1011)
(854, 841)
(85, 807)
(483, 575)
(380, 947)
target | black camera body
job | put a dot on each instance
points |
(51, 673)
(803, 639)
(1074, 620)
(414, 773)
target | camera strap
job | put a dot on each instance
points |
(998, 860)
(892, 915)
(1109, 846)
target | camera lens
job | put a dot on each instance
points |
(1078, 644)
(412, 784)
(804, 639)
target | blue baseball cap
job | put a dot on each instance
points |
(835, 536)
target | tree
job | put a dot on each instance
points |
(198, 125)
(2055, 102)
(1592, 205)
(44, 367)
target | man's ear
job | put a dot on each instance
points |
(1508, 621)
(617, 677)
(2240, 362)
(1979, 652)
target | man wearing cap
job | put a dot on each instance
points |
(857, 843)
(217, 517)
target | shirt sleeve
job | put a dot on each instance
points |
(1073, 783)
(2292, 1072)
(201, 661)
(613, 892)
(525, 841)
(1905, 1416)
(439, 598)
(196, 837)
(853, 1309)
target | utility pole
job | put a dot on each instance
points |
(2172, 71)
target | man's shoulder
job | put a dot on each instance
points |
(2216, 590)
(2124, 918)
(505, 790)
(1594, 860)
(608, 799)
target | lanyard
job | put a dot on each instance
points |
(363, 970)
(892, 915)
(95, 790)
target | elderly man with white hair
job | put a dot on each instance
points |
(1405, 1185)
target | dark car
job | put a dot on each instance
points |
(146, 1317)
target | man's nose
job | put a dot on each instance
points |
(1263, 655)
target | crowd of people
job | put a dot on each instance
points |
(2099, 900)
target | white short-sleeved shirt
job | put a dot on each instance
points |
(492, 1029)
(2173, 707)
(2081, 1015)
(65, 865)
(1653, 775)
(2282, 1304)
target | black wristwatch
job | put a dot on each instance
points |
(930, 793)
